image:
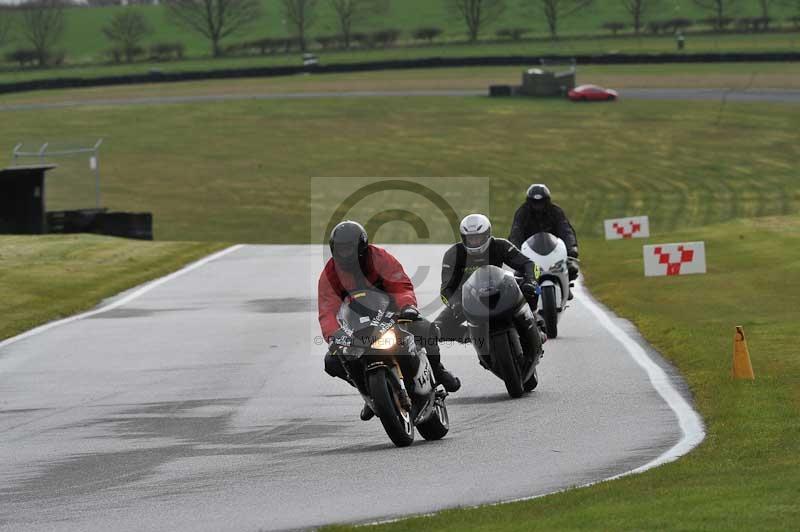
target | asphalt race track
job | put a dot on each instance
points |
(202, 405)
(751, 95)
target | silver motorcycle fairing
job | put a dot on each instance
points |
(423, 380)
(435, 400)
(490, 291)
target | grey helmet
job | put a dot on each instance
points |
(476, 233)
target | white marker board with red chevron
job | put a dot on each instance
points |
(675, 259)
(625, 228)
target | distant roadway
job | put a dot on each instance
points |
(755, 95)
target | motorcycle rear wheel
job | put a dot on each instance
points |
(395, 420)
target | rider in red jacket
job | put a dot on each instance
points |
(380, 270)
(356, 265)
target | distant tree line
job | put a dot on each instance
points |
(720, 16)
(478, 14)
(41, 24)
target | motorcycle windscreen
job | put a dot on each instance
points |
(542, 243)
(360, 308)
(490, 293)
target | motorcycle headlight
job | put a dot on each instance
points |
(557, 267)
(387, 341)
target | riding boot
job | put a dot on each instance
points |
(541, 326)
(335, 368)
(367, 413)
(530, 335)
(450, 382)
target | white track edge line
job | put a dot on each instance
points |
(689, 420)
(147, 287)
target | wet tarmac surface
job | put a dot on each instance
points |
(203, 405)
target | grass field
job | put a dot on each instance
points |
(746, 474)
(86, 47)
(50, 277)
(238, 171)
(84, 41)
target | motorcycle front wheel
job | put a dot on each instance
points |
(505, 364)
(395, 419)
(550, 310)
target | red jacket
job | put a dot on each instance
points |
(382, 270)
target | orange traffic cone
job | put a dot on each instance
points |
(742, 369)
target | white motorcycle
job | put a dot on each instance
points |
(550, 253)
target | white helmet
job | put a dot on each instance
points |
(476, 233)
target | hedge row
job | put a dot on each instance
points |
(433, 62)
(376, 39)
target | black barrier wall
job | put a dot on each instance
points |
(138, 225)
(22, 209)
(432, 62)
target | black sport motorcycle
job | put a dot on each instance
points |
(502, 328)
(389, 369)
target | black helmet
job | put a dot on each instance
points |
(348, 245)
(539, 196)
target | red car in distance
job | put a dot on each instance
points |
(592, 93)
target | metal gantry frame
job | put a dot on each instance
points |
(42, 154)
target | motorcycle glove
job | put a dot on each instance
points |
(340, 339)
(573, 268)
(409, 312)
(529, 289)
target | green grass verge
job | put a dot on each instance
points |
(239, 171)
(746, 474)
(45, 278)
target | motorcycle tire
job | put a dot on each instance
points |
(437, 425)
(395, 420)
(504, 360)
(549, 310)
